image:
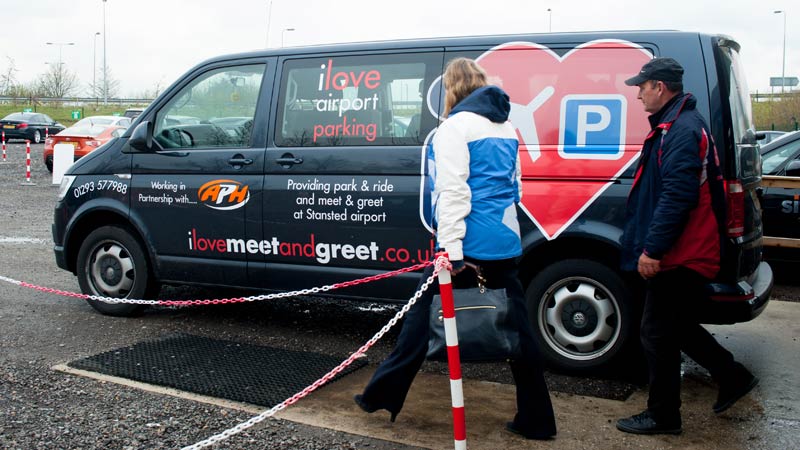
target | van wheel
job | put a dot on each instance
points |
(111, 263)
(581, 314)
(48, 162)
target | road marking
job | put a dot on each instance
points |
(22, 240)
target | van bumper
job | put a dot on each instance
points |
(741, 302)
(61, 257)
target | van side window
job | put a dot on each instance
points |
(356, 100)
(215, 110)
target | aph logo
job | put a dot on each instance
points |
(578, 124)
(223, 195)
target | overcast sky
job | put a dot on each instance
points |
(150, 42)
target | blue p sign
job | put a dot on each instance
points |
(592, 126)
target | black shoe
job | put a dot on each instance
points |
(536, 436)
(359, 399)
(643, 423)
(730, 393)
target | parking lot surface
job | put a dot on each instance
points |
(42, 407)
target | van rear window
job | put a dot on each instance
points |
(355, 100)
(739, 95)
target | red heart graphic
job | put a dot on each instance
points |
(558, 188)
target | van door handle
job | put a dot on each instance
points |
(239, 161)
(288, 160)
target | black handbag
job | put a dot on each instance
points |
(486, 331)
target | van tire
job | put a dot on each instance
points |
(112, 263)
(565, 303)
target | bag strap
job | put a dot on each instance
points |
(479, 273)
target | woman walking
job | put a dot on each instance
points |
(476, 189)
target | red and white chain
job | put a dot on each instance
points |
(440, 263)
(219, 301)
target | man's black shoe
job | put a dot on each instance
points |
(536, 436)
(730, 393)
(643, 423)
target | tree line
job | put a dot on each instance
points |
(58, 81)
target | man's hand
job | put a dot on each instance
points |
(648, 267)
(458, 267)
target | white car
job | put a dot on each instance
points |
(116, 121)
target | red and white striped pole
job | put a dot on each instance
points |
(453, 358)
(46, 133)
(28, 164)
(4, 146)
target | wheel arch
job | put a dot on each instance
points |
(85, 223)
(541, 253)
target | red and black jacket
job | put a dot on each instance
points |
(676, 203)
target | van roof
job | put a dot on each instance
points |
(466, 41)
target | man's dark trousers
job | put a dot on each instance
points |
(670, 325)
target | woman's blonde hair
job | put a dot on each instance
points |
(461, 77)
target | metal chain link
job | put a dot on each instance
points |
(440, 263)
(10, 280)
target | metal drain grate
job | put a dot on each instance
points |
(247, 373)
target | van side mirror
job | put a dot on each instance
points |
(142, 137)
(793, 168)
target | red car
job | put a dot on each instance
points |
(85, 136)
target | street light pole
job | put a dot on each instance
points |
(549, 20)
(94, 66)
(105, 64)
(60, 46)
(783, 67)
(283, 33)
(269, 20)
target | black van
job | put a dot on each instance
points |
(300, 167)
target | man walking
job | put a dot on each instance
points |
(672, 239)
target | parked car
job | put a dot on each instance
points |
(765, 137)
(237, 128)
(132, 113)
(182, 120)
(114, 121)
(781, 206)
(85, 136)
(30, 126)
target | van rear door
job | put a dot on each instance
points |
(741, 166)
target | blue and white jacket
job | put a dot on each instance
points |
(477, 179)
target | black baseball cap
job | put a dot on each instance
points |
(660, 69)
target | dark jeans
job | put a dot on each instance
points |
(390, 384)
(669, 326)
